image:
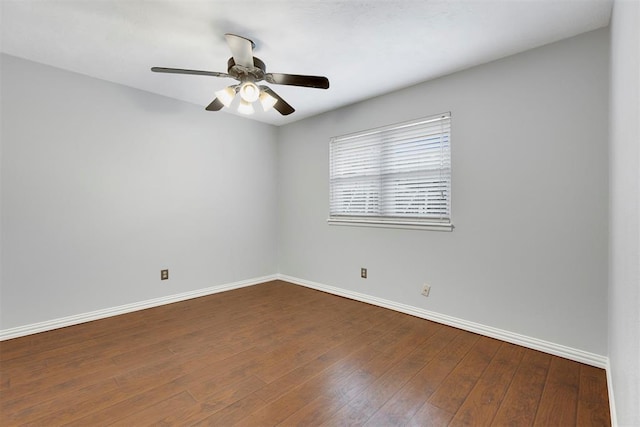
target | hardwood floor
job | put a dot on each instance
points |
(281, 354)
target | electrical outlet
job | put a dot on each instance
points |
(425, 290)
(363, 273)
(164, 274)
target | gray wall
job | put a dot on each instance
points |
(529, 198)
(624, 287)
(103, 186)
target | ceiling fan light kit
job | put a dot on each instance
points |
(249, 70)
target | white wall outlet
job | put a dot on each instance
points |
(426, 289)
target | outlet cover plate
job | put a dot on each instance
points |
(425, 290)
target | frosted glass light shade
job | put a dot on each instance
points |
(267, 101)
(249, 92)
(226, 96)
(245, 107)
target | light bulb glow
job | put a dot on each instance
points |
(245, 107)
(267, 101)
(226, 96)
(249, 92)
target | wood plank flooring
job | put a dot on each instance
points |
(281, 354)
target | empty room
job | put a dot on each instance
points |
(378, 213)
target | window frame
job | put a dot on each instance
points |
(386, 221)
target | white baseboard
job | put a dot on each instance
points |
(612, 404)
(512, 337)
(48, 325)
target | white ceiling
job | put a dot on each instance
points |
(365, 48)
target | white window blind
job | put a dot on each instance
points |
(397, 175)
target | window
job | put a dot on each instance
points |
(397, 175)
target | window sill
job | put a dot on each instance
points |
(391, 223)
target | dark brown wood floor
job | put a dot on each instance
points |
(278, 353)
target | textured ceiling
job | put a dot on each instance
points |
(365, 48)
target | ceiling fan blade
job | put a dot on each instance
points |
(317, 82)
(181, 71)
(241, 49)
(215, 105)
(282, 106)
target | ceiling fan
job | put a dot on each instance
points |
(249, 70)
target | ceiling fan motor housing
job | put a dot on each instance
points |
(241, 73)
